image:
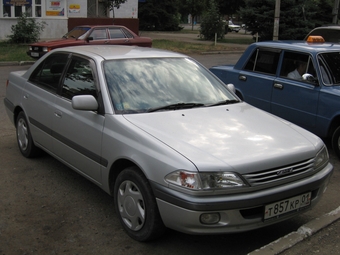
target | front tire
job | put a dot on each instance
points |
(24, 137)
(336, 141)
(136, 206)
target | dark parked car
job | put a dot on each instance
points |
(91, 35)
(329, 33)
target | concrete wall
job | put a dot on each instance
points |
(127, 10)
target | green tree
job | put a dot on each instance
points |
(111, 4)
(229, 7)
(212, 23)
(297, 17)
(159, 15)
(27, 30)
(193, 7)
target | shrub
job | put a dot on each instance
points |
(211, 23)
(27, 30)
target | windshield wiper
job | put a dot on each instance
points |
(233, 101)
(175, 106)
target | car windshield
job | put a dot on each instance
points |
(332, 60)
(76, 32)
(146, 85)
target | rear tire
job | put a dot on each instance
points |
(24, 138)
(336, 141)
(136, 206)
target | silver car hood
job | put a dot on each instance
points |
(236, 137)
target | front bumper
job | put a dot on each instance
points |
(238, 212)
(34, 54)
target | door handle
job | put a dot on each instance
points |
(278, 86)
(242, 77)
(58, 114)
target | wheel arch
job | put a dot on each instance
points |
(117, 167)
(16, 112)
(333, 126)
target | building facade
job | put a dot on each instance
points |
(55, 13)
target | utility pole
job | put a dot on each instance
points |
(277, 20)
(335, 12)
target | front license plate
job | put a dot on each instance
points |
(34, 54)
(288, 205)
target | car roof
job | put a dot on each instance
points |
(109, 52)
(94, 26)
(331, 26)
(300, 45)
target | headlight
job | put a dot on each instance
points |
(205, 181)
(30, 48)
(321, 158)
(45, 49)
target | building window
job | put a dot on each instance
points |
(38, 8)
(7, 11)
(33, 8)
(15, 8)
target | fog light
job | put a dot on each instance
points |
(210, 218)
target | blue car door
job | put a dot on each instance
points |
(257, 77)
(294, 98)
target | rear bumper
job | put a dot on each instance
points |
(9, 107)
(238, 212)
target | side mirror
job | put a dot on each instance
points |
(310, 78)
(84, 103)
(90, 38)
(231, 87)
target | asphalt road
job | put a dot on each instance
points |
(46, 208)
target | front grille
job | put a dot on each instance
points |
(278, 174)
(36, 48)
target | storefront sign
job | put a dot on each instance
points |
(17, 2)
(55, 8)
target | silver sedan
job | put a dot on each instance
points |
(173, 145)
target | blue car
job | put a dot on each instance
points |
(296, 80)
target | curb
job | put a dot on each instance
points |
(221, 52)
(16, 63)
(310, 228)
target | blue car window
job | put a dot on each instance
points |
(332, 62)
(263, 61)
(295, 64)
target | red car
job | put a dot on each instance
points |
(91, 35)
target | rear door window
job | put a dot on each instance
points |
(263, 61)
(116, 33)
(48, 74)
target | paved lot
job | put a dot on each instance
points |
(45, 208)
